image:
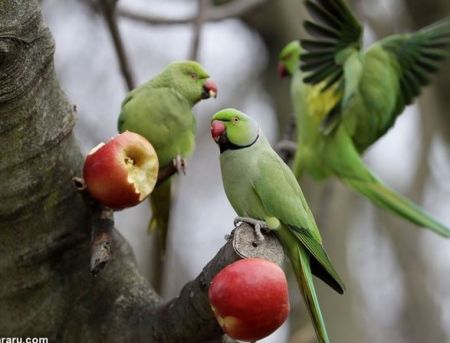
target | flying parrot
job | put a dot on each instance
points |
(345, 98)
(161, 111)
(265, 193)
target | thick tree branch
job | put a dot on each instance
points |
(189, 315)
(235, 8)
(46, 288)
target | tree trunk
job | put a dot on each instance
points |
(46, 288)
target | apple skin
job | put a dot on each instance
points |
(250, 298)
(122, 172)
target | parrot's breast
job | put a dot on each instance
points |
(238, 172)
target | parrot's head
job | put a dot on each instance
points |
(232, 129)
(190, 80)
(289, 59)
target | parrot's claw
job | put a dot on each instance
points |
(180, 164)
(257, 226)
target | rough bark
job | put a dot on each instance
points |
(46, 288)
(44, 225)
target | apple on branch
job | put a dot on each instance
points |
(250, 298)
(122, 172)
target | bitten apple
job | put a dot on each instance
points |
(122, 172)
(250, 298)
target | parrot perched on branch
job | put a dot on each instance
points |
(345, 99)
(264, 193)
(161, 111)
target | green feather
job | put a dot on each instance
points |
(345, 99)
(260, 185)
(300, 262)
(161, 111)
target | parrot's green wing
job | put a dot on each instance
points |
(165, 119)
(336, 31)
(417, 56)
(285, 201)
(320, 263)
(337, 39)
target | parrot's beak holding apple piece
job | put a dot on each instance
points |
(209, 89)
(217, 130)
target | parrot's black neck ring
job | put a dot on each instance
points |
(225, 144)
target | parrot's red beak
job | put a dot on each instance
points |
(217, 129)
(209, 89)
(282, 71)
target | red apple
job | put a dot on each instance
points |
(122, 172)
(250, 298)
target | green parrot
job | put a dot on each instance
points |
(345, 98)
(161, 111)
(265, 193)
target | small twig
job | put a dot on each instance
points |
(166, 172)
(109, 12)
(286, 148)
(197, 30)
(233, 9)
(102, 229)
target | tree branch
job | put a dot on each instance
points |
(287, 147)
(190, 315)
(109, 8)
(166, 172)
(102, 228)
(235, 8)
(46, 289)
(197, 30)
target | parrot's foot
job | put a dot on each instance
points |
(286, 146)
(180, 164)
(257, 226)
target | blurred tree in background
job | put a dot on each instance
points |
(397, 277)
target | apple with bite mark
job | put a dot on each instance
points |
(250, 298)
(122, 172)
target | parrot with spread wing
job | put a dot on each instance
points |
(265, 193)
(345, 99)
(161, 111)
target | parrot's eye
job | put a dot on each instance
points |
(235, 120)
(194, 76)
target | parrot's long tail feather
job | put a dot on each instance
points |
(300, 261)
(351, 169)
(160, 201)
(386, 198)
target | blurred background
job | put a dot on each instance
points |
(397, 276)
